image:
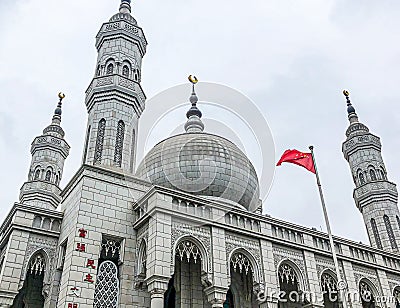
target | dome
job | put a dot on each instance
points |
(202, 164)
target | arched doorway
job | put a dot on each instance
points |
(290, 296)
(242, 279)
(330, 291)
(366, 294)
(31, 294)
(185, 288)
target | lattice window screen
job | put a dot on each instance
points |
(100, 141)
(107, 286)
(389, 230)
(119, 143)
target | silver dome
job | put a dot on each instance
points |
(202, 164)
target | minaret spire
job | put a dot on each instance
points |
(49, 152)
(125, 7)
(194, 123)
(375, 196)
(353, 118)
(58, 111)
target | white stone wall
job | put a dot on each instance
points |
(101, 204)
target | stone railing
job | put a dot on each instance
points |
(391, 262)
(287, 234)
(324, 244)
(242, 221)
(362, 254)
(191, 208)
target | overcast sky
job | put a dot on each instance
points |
(293, 58)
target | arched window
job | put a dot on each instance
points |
(136, 75)
(31, 294)
(125, 71)
(37, 175)
(57, 180)
(119, 143)
(48, 176)
(98, 153)
(289, 284)
(361, 177)
(390, 232)
(366, 295)
(142, 266)
(329, 289)
(110, 69)
(376, 234)
(107, 286)
(372, 174)
(98, 72)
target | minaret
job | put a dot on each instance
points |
(115, 99)
(49, 152)
(375, 195)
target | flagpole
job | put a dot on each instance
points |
(328, 228)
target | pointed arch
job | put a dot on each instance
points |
(201, 253)
(368, 293)
(32, 293)
(328, 284)
(252, 262)
(37, 173)
(295, 270)
(372, 173)
(142, 259)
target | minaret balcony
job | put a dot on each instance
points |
(375, 191)
(34, 191)
(122, 27)
(115, 82)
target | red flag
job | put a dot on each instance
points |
(296, 157)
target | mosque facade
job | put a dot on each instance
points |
(185, 227)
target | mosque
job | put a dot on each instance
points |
(184, 228)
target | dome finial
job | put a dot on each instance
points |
(58, 111)
(351, 111)
(194, 123)
(125, 6)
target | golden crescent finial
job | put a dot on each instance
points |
(61, 96)
(193, 79)
(346, 93)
